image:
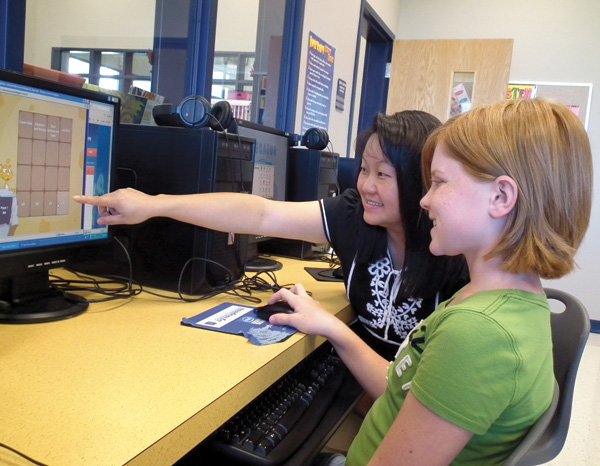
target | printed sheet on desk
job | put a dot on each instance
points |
(240, 320)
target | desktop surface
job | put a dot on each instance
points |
(126, 383)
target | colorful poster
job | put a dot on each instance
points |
(318, 84)
(521, 91)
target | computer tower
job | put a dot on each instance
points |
(172, 255)
(311, 175)
(347, 173)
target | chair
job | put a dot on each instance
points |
(570, 331)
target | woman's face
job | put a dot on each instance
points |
(378, 187)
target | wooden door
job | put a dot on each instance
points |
(425, 73)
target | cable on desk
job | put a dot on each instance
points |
(231, 286)
(22, 455)
(265, 280)
(112, 287)
(119, 287)
(329, 258)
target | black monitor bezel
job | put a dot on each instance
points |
(40, 259)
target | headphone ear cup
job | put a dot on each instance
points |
(194, 111)
(222, 116)
(315, 138)
(164, 116)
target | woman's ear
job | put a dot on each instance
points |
(505, 193)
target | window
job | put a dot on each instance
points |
(232, 81)
(232, 75)
(247, 57)
(110, 69)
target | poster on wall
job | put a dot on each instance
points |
(577, 96)
(318, 84)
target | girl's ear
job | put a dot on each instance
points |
(504, 196)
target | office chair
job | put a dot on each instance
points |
(570, 331)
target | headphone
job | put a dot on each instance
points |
(195, 111)
(315, 138)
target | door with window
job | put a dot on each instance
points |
(448, 77)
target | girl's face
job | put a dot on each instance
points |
(458, 204)
(378, 187)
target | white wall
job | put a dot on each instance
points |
(90, 24)
(236, 31)
(387, 10)
(553, 42)
(336, 23)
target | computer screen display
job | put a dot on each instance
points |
(55, 142)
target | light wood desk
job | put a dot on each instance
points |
(126, 383)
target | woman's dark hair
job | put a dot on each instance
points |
(402, 137)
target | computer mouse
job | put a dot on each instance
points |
(266, 311)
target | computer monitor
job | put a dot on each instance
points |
(55, 142)
(269, 178)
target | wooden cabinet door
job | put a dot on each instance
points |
(424, 73)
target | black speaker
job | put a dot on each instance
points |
(195, 112)
(315, 138)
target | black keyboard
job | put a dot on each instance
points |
(276, 424)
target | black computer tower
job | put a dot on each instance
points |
(172, 255)
(311, 175)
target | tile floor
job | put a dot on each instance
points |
(582, 447)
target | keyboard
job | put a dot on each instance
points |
(275, 425)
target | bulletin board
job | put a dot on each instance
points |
(577, 96)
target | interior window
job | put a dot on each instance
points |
(115, 51)
(117, 70)
(248, 56)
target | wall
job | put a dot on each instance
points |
(553, 42)
(336, 22)
(231, 35)
(387, 10)
(119, 24)
(318, 19)
(106, 24)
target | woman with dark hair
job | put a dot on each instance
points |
(381, 235)
(378, 230)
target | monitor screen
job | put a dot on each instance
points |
(270, 159)
(55, 142)
(269, 178)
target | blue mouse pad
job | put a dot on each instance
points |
(240, 320)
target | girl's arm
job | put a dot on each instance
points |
(369, 368)
(418, 436)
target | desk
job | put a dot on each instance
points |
(125, 383)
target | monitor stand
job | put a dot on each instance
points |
(37, 302)
(262, 264)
